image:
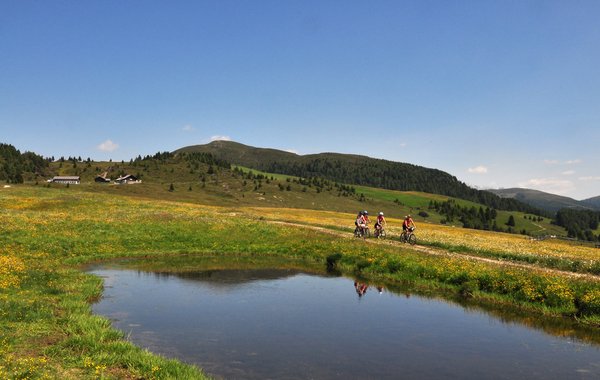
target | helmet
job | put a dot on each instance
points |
(366, 212)
(381, 213)
(361, 213)
(408, 216)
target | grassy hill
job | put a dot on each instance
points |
(177, 178)
(200, 177)
(546, 201)
(592, 202)
(357, 170)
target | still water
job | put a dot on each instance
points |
(285, 324)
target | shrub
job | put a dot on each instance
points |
(590, 303)
(559, 294)
(467, 288)
(394, 266)
(333, 259)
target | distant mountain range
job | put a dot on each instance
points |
(356, 170)
(547, 201)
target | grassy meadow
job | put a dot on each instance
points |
(50, 233)
(228, 188)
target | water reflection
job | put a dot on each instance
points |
(361, 288)
(285, 323)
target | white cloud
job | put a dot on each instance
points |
(478, 170)
(108, 146)
(572, 162)
(551, 162)
(568, 172)
(549, 185)
(220, 138)
(187, 128)
(589, 178)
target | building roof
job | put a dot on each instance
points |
(66, 178)
(126, 177)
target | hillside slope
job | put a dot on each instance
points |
(592, 202)
(546, 201)
(356, 170)
(16, 166)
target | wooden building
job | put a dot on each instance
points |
(102, 178)
(128, 179)
(71, 180)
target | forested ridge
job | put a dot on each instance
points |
(358, 170)
(14, 164)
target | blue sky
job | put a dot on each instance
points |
(496, 93)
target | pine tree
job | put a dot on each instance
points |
(511, 221)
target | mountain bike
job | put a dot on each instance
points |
(362, 232)
(379, 233)
(408, 237)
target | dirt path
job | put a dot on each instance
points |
(444, 253)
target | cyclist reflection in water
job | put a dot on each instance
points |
(360, 288)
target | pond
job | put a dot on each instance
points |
(290, 324)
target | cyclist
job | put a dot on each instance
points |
(408, 225)
(361, 221)
(380, 223)
(366, 215)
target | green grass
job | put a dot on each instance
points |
(195, 185)
(47, 326)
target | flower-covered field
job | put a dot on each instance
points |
(552, 253)
(47, 329)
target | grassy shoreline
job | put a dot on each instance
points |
(48, 330)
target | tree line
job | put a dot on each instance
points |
(391, 175)
(580, 224)
(473, 217)
(14, 164)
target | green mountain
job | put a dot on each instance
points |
(241, 154)
(201, 177)
(546, 201)
(592, 202)
(356, 170)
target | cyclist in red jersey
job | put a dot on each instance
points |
(380, 223)
(409, 224)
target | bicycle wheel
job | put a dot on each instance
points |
(381, 234)
(412, 239)
(403, 237)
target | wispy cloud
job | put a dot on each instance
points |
(568, 172)
(108, 146)
(220, 138)
(550, 185)
(589, 178)
(568, 162)
(478, 170)
(188, 128)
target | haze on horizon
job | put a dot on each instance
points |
(498, 94)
